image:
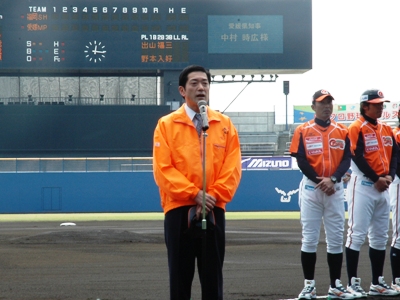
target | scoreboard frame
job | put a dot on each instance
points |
(125, 38)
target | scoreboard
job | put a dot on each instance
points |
(134, 36)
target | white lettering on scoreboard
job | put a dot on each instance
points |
(106, 9)
(164, 37)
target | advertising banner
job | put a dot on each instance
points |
(267, 191)
(345, 112)
(255, 163)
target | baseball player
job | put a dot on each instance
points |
(322, 150)
(394, 193)
(374, 162)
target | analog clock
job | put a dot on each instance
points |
(95, 51)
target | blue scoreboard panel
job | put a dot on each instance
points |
(132, 36)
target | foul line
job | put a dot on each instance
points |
(318, 297)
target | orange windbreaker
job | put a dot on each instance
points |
(378, 143)
(177, 159)
(324, 147)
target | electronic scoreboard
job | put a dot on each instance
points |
(98, 36)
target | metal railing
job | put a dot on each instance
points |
(76, 101)
(64, 165)
(267, 148)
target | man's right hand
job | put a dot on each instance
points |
(382, 184)
(210, 200)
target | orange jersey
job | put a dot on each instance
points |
(377, 141)
(323, 146)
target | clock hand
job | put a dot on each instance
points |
(95, 50)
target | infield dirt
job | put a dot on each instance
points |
(115, 260)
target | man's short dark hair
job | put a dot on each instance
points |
(183, 77)
(362, 106)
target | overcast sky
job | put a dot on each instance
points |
(356, 46)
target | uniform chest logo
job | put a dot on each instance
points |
(313, 139)
(387, 141)
(336, 144)
(313, 145)
(371, 142)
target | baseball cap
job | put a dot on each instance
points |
(321, 95)
(373, 96)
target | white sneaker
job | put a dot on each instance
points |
(396, 285)
(355, 288)
(339, 292)
(309, 291)
(382, 289)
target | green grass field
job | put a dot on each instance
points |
(82, 217)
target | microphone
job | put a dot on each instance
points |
(202, 104)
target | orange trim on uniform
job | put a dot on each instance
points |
(320, 98)
(377, 100)
(352, 212)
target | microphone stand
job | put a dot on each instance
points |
(204, 221)
(202, 104)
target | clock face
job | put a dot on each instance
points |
(95, 51)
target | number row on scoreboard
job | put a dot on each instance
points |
(114, 17)
(114, 9)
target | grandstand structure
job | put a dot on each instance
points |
(61, 119)
(260, 136)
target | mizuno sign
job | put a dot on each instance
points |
(265, 163)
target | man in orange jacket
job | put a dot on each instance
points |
(178, 172)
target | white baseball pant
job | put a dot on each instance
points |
(369, 213)
(316, 206)
(394, 193)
